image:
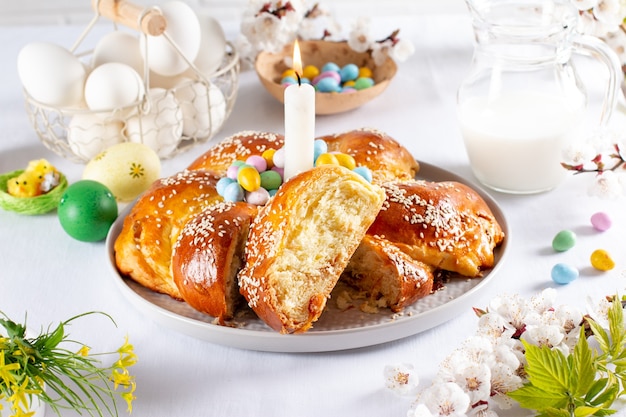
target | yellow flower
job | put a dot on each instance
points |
(127, 356)
(83, 351)
(18, 398)
(6, 377)
(128, 397)
(21, 413)
(121, 378)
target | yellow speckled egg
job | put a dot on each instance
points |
(127, 169)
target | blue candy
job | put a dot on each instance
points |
(330, 66)
(563, 274)
(349, 72)
(319, 147)
(222, 184)
(328, 85)
(233, 192)
(364, 172)
(288, 81)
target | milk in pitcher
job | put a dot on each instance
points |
(515, 142)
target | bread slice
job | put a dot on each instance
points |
(208, 255)
(389, 277)
(301, 241)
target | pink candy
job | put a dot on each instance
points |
(327, 74)
(601, 221)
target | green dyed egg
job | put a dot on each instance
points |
(564, 240)
(87, 210)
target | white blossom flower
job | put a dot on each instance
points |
(503, 380)
(608, 12)
(445, 399)
(482, 410)
(473, 378)
(508, 355)
(402, 50)
(580, 153)
(494, 327)
(512, 308)
(598, 310)
(607, 185)
(543, 335)
(381, 51)
(360, 38)
(583, 5)
(543, 301)
(420, 410)
(401, 378)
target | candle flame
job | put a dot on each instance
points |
(297, 59)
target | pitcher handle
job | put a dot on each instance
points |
(602, 51)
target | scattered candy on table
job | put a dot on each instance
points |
(601, 221)
(331, 78)
(601, 260)
(258, 178)
(564, 240)
(87, 210)
(563, 273)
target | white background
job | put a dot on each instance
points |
(18, 12)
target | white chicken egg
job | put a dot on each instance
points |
(51, 74)
(113, 86)
(203, 107)
(118, 46)
(212, 45)
(88, 134)
(183, 28)
(127, 169)
(162, 81)
(162, 127)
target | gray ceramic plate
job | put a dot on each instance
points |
(336, 329)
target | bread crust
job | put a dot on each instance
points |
(207, 256)
(143, 249)
(445, 224)
(389, 277)
(384, 156)
(236, 147)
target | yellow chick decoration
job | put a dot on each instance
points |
(39, 177)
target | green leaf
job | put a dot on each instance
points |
(556, 412)
(601, 336)
(583, 368)
(53, 339)
(535, 398)
(605, 412)
(606, 397)
(616, 326)
(584, 411)
(13, 329)
(596, 390)
(548, 369)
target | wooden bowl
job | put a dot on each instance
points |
(269, 68)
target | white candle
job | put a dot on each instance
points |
(299, 123)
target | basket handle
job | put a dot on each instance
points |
(149, 21)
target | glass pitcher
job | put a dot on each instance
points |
(522, 101)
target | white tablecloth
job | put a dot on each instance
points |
(50, 276)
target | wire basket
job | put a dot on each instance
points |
(202, 104)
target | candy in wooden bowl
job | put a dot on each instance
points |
(270, 67)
